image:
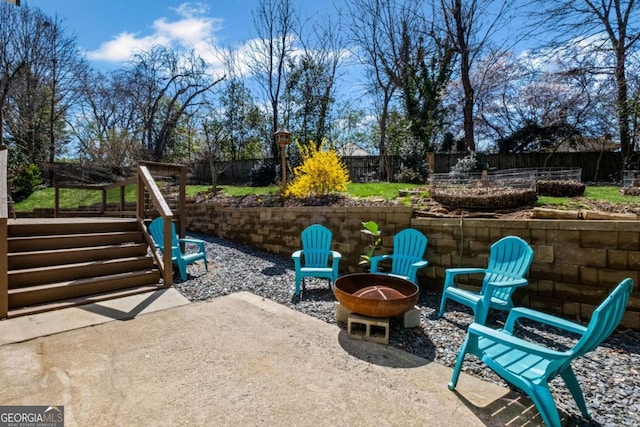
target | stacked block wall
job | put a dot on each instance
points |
(576, 263)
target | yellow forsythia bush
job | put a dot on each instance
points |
(321, 172)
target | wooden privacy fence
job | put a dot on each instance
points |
(596, 166)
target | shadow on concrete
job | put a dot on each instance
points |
(512, 409)
(379, 354)
(118, 314)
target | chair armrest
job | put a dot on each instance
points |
(297, 262)
(514, 283)
(522, 312)
(373, 261)
(335, 259)
(420, 264)
(451, 273)
(413, 269)
(196, 241)
(511, 341)
(463, 270)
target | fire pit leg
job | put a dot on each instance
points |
(374, 329)
(411, 318)
(342, 313)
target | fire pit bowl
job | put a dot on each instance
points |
(375, 295)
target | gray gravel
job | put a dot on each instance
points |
(609, 376)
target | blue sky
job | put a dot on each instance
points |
(109, 31)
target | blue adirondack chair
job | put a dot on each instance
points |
(509, 261)
(530, 366)
(179, 258)
(316, 259)
(409, 246)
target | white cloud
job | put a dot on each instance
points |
(191, 29)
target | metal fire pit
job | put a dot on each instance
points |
(375, 295)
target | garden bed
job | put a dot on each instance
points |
(484, 198)
(484, 205)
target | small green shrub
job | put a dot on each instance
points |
(263, 173)
(371, 229)
(413, 162)
(409, 175)
(464, 166)
(322, 172)
(560, 188)
(27, 180)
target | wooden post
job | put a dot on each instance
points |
(122, 199)
(4, 265)
(283, 138)
(104, 201)
(182, 201)
(56, 201)
(4, 245)
(140, 197)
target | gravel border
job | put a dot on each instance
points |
(609, 376)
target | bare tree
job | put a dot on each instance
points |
(243, 120)
(215, 143)
(12, 58)
(470, 25)
(106, 124)
(592, 25)
(375, 31)
(312, 78)
(525, 108)
(66, 70)
(275, 26)
(165, 85)
(23, 61)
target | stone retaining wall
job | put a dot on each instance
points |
(575, 266)
(576, 263)
(277, 230)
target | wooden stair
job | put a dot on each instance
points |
(57, 263)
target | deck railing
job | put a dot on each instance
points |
(150, 202)
(146, 182)
(102, 210)
(146, 185)
(146, 188)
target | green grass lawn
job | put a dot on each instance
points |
(71, 198)
(600, 193)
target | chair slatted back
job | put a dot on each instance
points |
(409, 246)
(316, 245)
(605, 318)
(509, 258)
(156, 228)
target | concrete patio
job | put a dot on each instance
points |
(155, 359)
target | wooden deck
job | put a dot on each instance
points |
(71, 220)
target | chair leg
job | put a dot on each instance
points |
(458, 366)
(571, 381)
(542, 398)
(443, 302)
(298, 285)
(183, 271)
(480, 312)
